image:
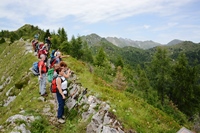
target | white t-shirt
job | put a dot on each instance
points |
(63, 84)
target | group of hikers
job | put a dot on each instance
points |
(52, 69)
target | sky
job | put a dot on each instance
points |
(157, 20)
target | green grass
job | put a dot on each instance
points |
(132, 111)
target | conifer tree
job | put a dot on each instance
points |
(185, 87)
(2, 40)
(47, 34)
(87, 54)
(63, 35)
(100, 58)
(160, 75)
(143, 83)
(120, 62)
(76, 47)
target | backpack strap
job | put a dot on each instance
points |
(61, 79)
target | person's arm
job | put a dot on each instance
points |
(40, 69)
(66, 75)
(65, 56)
(58, 83)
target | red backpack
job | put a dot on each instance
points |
(53, 87)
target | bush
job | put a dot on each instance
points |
(2, 40)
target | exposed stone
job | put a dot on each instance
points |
(12, 119)
(1, 86)
(41, 99)
(8, 92)
(70, 103)
(8, 80)
(9, 100)
(21, 128)
(107, 129)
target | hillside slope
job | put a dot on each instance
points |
(18, 83)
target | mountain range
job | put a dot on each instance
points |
(123, 42)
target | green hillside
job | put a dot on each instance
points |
(133, 112)
(130, 105)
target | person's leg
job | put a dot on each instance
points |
(60, 105)
(43, 84)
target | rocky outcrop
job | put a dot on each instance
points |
(103, 121)
(14, 127)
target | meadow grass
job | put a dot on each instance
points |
(132, 111)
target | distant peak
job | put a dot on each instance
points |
(174, 42)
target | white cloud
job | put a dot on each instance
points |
(87, 10)
(80, 14)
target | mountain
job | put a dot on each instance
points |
(131, 55)
(92, 39)
(121, 42)
(175, 41)
(103, 109)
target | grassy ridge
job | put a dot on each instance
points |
(132, 111)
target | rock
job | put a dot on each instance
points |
(107, 129)
(8, 92)
(12, 119)
(47, 109)
(1, 87)
(41, 99)
(9, 100)
(22, 112)
(21, 128)
(70, 103)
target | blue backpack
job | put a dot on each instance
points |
(52, 54)
(35, 69)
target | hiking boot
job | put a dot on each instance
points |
(63, 117)
(45, 95)
(60, 120)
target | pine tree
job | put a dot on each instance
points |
(2, 40)
(185, 86)
(87, 54)
(160, 73)
(143, 83)
(100, 58)
(76, 47)
(63, 35)
(120, 62)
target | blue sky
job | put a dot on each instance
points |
(157, 20)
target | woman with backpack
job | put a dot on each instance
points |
(61, 93)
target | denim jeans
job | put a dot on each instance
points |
(42, 84)
(61, 104)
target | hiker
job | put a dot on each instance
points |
(34, 43)
(57, 59)
(52, 55)
(61, 83)
(42, 77)
(48, 42)
(36, 36)
(57, 50)
(43, 50)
